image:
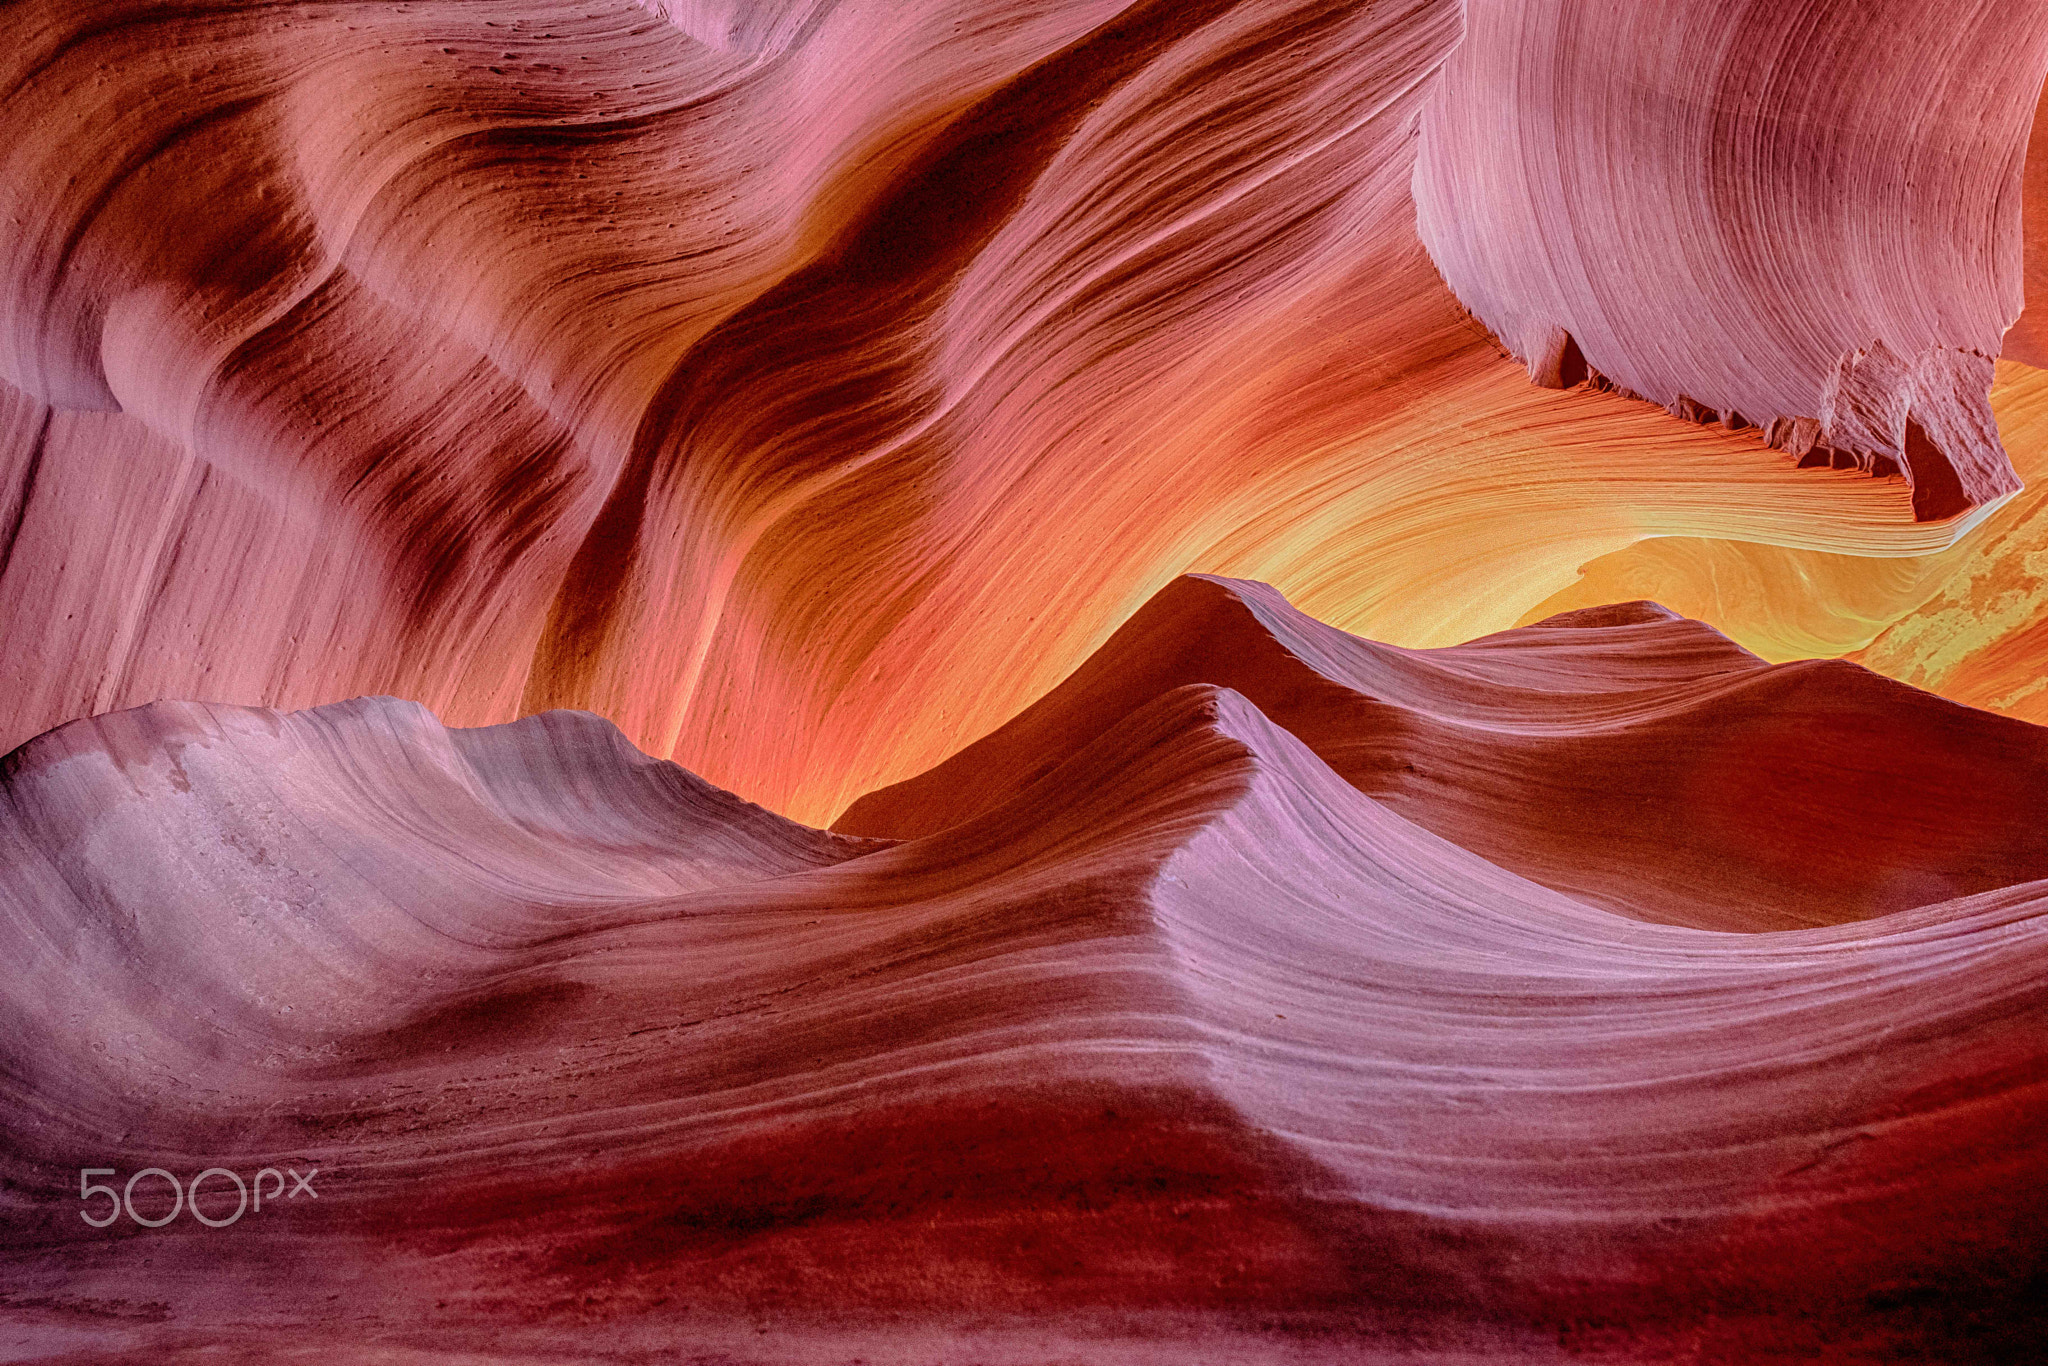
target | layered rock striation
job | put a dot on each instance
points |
(1177, 1035)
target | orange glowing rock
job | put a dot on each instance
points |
(420, 423)
(807, 404)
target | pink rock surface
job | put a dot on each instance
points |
(1184, 1044)
(803, 388)
(1800, 217)
(2027, 341)
(831, 397)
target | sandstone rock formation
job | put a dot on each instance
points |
(1630, 758)
(858, 368)
(482, 482)
(1803, 218)
(1177, 1041)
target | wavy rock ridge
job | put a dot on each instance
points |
(807, 388)
(834, 398)
(1633, 759)
(598, 1055)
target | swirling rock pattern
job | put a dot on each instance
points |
(805, 388)
(1804, 218)
(593, 1051)
(1635, 760)
(1964, 621)
(422, 423)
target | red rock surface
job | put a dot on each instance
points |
(420, 423)
(807, 400)
(1178, 1028)
(1631, 758)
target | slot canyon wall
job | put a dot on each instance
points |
(1025, 680)
(809, 389)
